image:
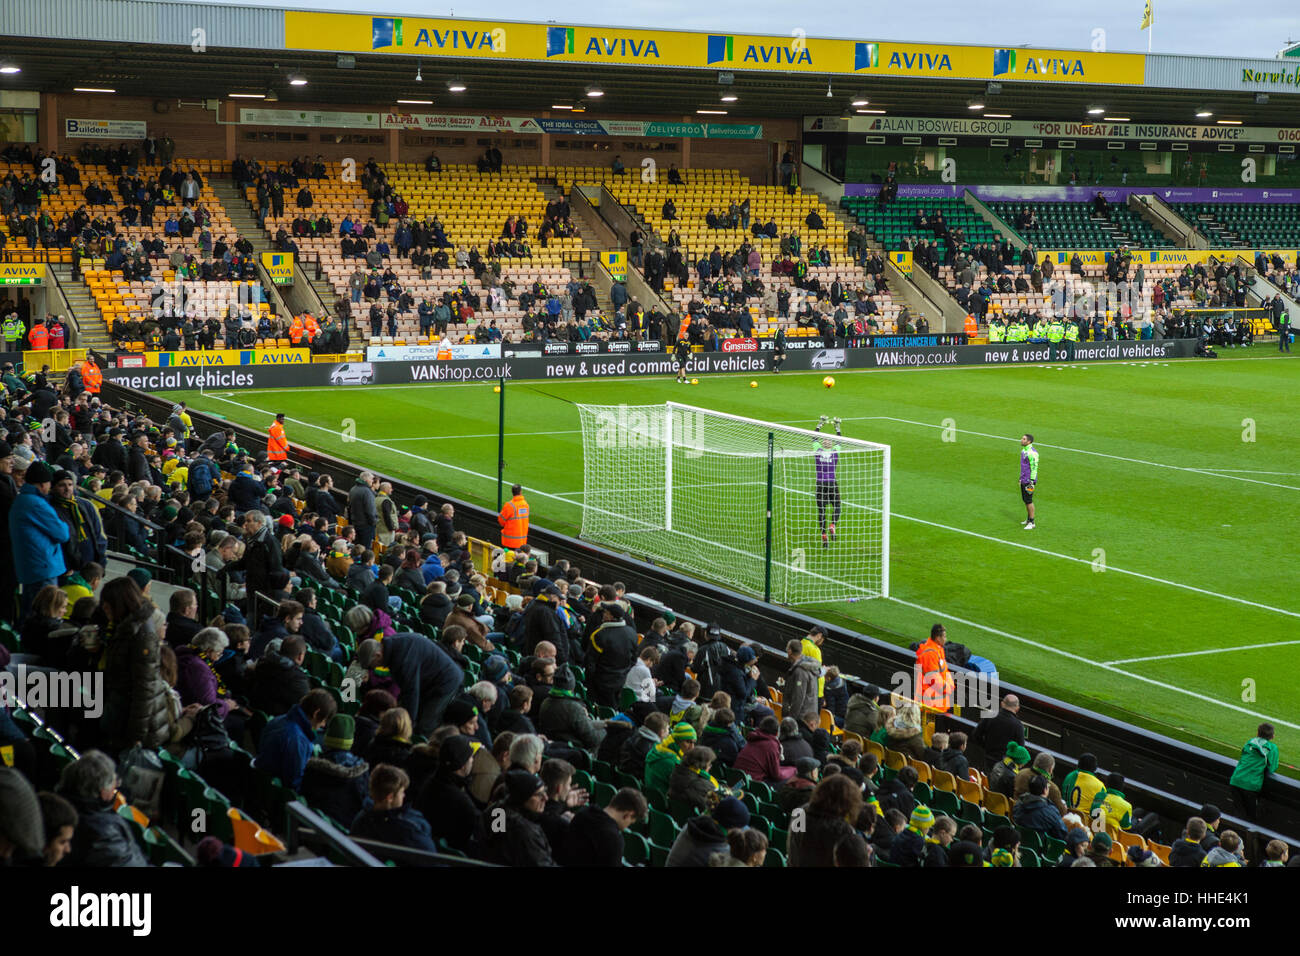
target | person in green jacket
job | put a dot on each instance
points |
(663, 759)
(1259, 758)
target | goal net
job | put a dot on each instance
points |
(689, 487)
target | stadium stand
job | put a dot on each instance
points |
(1244, 225)
(1078, 225)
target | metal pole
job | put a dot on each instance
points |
(767, 551)
(501, 438)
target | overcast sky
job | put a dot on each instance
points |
(1209, 27)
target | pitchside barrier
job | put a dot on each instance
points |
(811, 355)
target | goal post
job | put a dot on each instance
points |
(693, 488)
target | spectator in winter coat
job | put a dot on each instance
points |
(428, 678)
(761, 755)
(613, 649)
(337, 781)
(102, 838)
(837, 695)
(520, 839)
(1042, 766)
(834, 802)
(705, 835)
(800, 687)
(632, 754)
(595, 836)
(721, 736)
(37, 534)
(671, 671)
(1259, 758)
(136, 709)
(1002, 777)
(564, 716)
(691, 782)
(954, 756)
(794, 793)
(1034, 811)
(445, 801)
(664, 758)
(994, 733)
(909, 847)
(904, 732)
(196, 680)
(793, 744)
(387, 818)
(896, 794)
(1188, 849)
(279, 680)
(288, 741)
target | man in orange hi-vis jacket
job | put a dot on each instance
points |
(91, 376)
(514, 520)
(936, 683)
(277, 443)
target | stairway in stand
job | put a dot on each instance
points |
(242, 216)
(90, 321)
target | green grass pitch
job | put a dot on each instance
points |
(1159, 585)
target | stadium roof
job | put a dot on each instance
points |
(187, 51)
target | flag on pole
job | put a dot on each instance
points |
(1146, 17)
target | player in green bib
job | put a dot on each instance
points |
(1028, 477)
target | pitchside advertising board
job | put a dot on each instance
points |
(811, 354)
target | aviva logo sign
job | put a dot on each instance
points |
(1005, 63)
(560, 42)
(387, 32)
(722, 49)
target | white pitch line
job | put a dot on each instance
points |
(1091, 663)
(894, 514)
(1213, 650)
(1083, 451)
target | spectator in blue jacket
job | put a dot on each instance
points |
(288, 741)
(37, 533)
(204, 475)
(246, 491)
(386, 817)
(1033, 811)
(429, 679)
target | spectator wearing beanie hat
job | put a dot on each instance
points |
(1099, 852)
(1076, 846)
(1005, 850)
(445, 800)
(563, 716)
(667, 754)
(1002, 777)
(37, 534)
(336, 780)
(520, 839)
(908, 848)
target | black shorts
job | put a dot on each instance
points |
(828, 494)
(681, 362)
(1027, 493)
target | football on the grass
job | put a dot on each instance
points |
(828, 381)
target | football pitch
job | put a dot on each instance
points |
(1159, 585)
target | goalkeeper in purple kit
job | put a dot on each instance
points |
(828, 482)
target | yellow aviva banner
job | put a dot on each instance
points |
(903, 260)
(279, 266)
(616, 264)
(226, 357)
(797, 52)
(1178, 257)
(22, 273)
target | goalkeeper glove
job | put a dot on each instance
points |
(822, 421)
(837, 426)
